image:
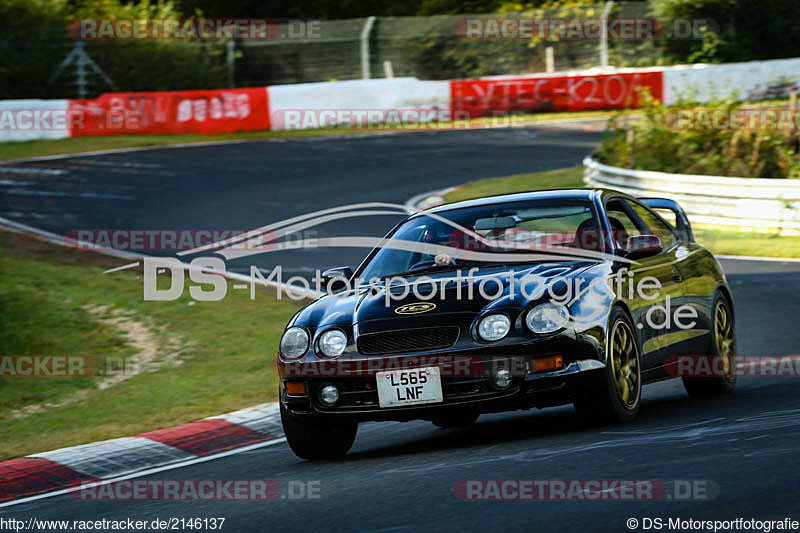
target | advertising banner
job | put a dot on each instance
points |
(171, 112)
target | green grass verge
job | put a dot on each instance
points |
(550, 179)
(719, 241)
(215, 356)
(756, 244)
(27, 149)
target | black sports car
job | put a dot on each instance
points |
(509, 302)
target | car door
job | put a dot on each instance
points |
(652, 285)
(701, 275)
(674, 333)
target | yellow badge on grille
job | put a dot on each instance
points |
(415, 308)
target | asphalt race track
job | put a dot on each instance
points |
(246, 185)
(744, 447)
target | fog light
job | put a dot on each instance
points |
(502, 379)
(328, 394)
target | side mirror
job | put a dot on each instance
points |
(642, 246)
(335, 279)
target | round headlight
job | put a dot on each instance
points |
(494, 327)
(294, 342)
(333, 342)
(547, 318)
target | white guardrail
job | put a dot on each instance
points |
(760, 204)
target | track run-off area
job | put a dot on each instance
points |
(401, 476)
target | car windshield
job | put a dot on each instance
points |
(461, 237)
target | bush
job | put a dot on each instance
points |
(658, 142)
(740, 30)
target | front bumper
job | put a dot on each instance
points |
(359, 396)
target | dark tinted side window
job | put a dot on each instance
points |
(654, 225)
(622, 225)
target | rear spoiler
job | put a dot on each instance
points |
(684, 228)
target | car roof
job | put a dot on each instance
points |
(549, 194)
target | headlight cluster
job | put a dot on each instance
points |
(547, 318)
(294, 343)
(542, 319)
(333, 342)
(494, 327)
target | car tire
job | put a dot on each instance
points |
(723, 345)
(614, 394)
(315, 439)
(458, 419)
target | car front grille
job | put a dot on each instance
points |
(406, 341)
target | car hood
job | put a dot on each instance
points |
(371, 306)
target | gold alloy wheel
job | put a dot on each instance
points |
(625, 365)
(723, 333)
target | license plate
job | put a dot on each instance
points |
(414, 386)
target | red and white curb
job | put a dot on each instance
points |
(60, 470)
